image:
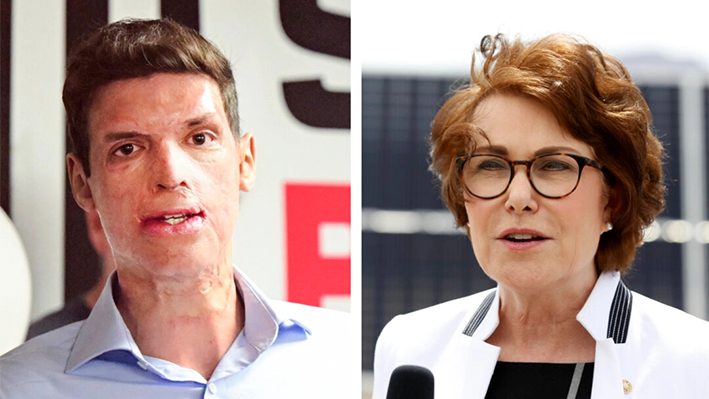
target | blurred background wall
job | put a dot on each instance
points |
(291, 60)
(412, 257)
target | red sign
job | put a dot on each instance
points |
(314, 213)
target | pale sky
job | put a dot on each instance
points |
(439, 36)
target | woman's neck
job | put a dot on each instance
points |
(542, 326)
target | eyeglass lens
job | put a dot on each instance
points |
(488, 176)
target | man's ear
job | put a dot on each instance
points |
(247, 164)
(79, 183)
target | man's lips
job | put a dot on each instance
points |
(172, 216)
(173, 222)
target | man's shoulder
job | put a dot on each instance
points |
(60, 339)
(328, 333)
(73, 311)
(38, 358)
(313, 349)
(312, 316)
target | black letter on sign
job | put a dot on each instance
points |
(317, 107)
(312, 28)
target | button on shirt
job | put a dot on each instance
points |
(284, 350)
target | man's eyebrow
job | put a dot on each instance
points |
(116, 136)
(200, 120)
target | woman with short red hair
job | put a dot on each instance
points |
(548, 161)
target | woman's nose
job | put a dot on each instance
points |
(521, 196)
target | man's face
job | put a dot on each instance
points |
(166, 172)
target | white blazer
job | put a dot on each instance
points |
(654, 350)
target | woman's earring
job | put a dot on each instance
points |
(609, 226)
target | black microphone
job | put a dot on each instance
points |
(410, 382)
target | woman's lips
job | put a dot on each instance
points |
(521, 239)
(522, 245)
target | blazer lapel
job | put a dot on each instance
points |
(478, 360)
(470, 361)
(607, 378)
(606, 316)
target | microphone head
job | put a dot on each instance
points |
(410, 382)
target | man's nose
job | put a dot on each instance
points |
(170, 167)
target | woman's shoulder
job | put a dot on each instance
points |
(665, 316)
(451, 313)
(401, 341)
(668, 326)
(665, 346)
(435, 323)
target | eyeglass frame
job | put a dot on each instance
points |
(580, 160)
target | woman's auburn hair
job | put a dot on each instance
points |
(594, 99)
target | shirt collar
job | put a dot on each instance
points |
(600, 313)
(606, 313)
(105, 331)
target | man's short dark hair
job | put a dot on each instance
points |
(134, 48)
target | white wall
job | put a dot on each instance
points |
(37, 163)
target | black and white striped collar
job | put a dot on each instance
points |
(606, 313)
(480, 314)
(619, 316)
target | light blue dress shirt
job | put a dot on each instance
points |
(284, 350)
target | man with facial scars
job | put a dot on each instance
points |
(151, 109)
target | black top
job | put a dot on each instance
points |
(74, 310)
(540, 380)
